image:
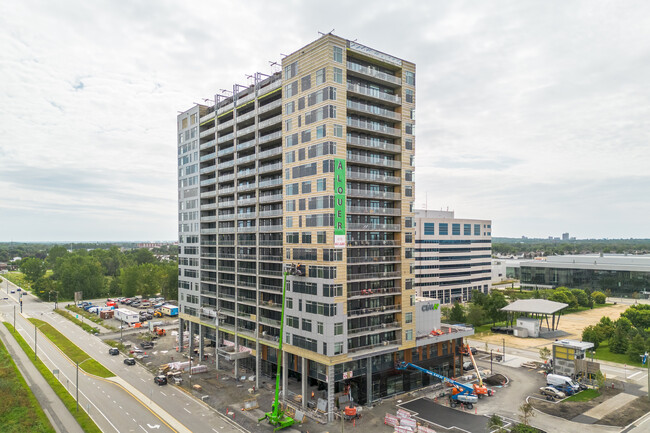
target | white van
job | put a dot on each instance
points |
(562, 381)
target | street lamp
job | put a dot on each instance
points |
(504, 350)
(491, 371)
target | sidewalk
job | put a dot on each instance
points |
(61, 419)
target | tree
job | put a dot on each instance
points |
(526, 413)
(143, 255)
(593, 334)
(623, 323)
(475, 315)
(55, 253)
(479, 298)
(581, 296)
(565, 297)
(619, 341)
(600, 379)
(43, 287)
(33, 268)
(495, 424)
(457, 314)
(494, 305)
(544, 353)
(599, 297)
(636, 348)
(79, 274)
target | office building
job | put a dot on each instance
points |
(311, 166)
(452, 256)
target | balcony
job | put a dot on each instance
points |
(225, 108)
(226, 229)
(270, 152)
(372, 347)
(228, 203)
(246, 116)
(210, 231)
(371, 293)
(374, 275)
(224, 125)
(247, 130)
(270, 182)
(269, 137)
(247, 256)
(373, 144)
(246, 145)
(225, 138)
(272, 322)
(372, 73)
(373, 226)
(276, 258)
(246, 300)
(270, 167)
(226, 268)
(368, 193)
(373, 329)
(226, 151)
(270, 272)
(208, 157)
(374, 259)
(373, 110)
(246, 229)
(271, 243)
(247, 172)
(372, 177)
(226, 191)
(207, 132)
(269, 88)
(226, 177)
(247, 158)
(246, 201)
(226, 164)
(246, 242)
(268, 122)
(242, 187)
(375, 94)
(374, 127)
(270, 213)
(208, 206)
(210, 181)
(269, 288)
(270, 198)
(246, 215)
(207, 144)
(277, 228)
(391, 211)
(227, 217)
(207, 117)
(382, 162)
(209, 218)
(386, 309)
(268, 107)
(222, 242)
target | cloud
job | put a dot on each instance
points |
(522, 109)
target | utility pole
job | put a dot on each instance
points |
(35, 335)
(77, 386)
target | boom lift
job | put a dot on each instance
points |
(479, 389)
(460, 392)
(277, 417)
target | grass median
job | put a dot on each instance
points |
(72, 351)
(86, 423)
(586, 395)
(20, 411)
(86, 327)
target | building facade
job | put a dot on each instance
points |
(621, 274)
(312, 166)
(452, 256)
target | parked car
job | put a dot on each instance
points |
(13, 291)
(551, 392)
(467, 365)
(160, 380)
(129, 361)
(146, 345)
(113, 351)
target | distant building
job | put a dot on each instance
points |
(565, 236)
(621, 274)
(452, 256)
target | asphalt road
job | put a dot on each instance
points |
(108, 403)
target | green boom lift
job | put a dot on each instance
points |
(277, 417)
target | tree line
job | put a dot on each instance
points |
(100, 273)
(549, 247)
(630, 334)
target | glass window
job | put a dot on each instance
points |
(320, 131)
(305, 82)
(306, 325)
(290, 156)
(408, 317)
(292, 189)
(287, 125)
(467, 229)
(321, 237)
(305, 136)
(409, 128)
(291, 205)
(290, 303)
(319, 327)
(338, 75)
(321, 184)
(338, 328)
(306, 187)
(338, 54)
(338, 130)
(291, 70)
(455, 229)
(477, 229)
(290, 107)
(409, 77)
(291, 89)
(409, 334)
(408, 143)
(306, 238)
(443, 229)
(409, 95)
(338, 348)
(320, 76)
(289, 221)
(408, 191)
(429, 229)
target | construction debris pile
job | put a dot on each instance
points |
(404, 423)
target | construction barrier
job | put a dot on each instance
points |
(391, 420)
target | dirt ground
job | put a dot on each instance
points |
(630, 413)
(571, 409)
(572, 324)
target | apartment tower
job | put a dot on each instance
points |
(311, 166)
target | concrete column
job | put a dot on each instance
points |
(330, 393)
(369, 380)
(258, 365)
(201, 329)
(304, 378)
(285, 375)
(237, 368)
(181, 325)
(216, 349)
(191, 344)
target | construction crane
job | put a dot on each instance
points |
(479, 389)
(460, 392)
(278, 417)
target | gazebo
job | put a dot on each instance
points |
(536, 308)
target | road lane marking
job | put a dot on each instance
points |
(632, 375)
(187, 410)
(163, 393)
(143, 429)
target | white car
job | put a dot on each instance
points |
(552, 392)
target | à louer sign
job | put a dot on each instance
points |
(339, 203)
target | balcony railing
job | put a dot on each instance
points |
(226, 230)
(271, 136)
(270, 198)
(272, 243)
(383, 162)
(207, 144)
(373, 110)
(270, 152)
(226, 164)
(373, 127)
(270, 213)
(374, 292)
(246, 158)
(226, 151)
(246, 229)
(374, 93)
(246, 201)
(247, 215)
(373, 226)
(226, 177)
(208, 157)
(374, 259)
(354, 192)
(225, 125)
(208, 206)
(246, 186)
(247, 130)
(372, 177)
(372, 329)
(277, 228)
(270, 182)
(392, 211)
(228, 203)
(386, 309)
(374, 275)
(270, 167)
(271, 106)
(270, 288)
(210, 181)
(207, 132)
(225, 138)
(268, 122)
(226, 191)
(245, 145)
(374, 73)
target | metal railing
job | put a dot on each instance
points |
(374, 93)
(374, 73)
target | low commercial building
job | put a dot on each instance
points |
(570, 358)
(622, 274)
(452, 256)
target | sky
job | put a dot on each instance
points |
(534, 114)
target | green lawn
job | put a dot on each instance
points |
(586, 395)
(20, 411)
(86, 363)
(18, 278)
(604, 354)
(86, 423)
(86, 327)
(90, 316)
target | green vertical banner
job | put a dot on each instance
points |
(339, 203)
